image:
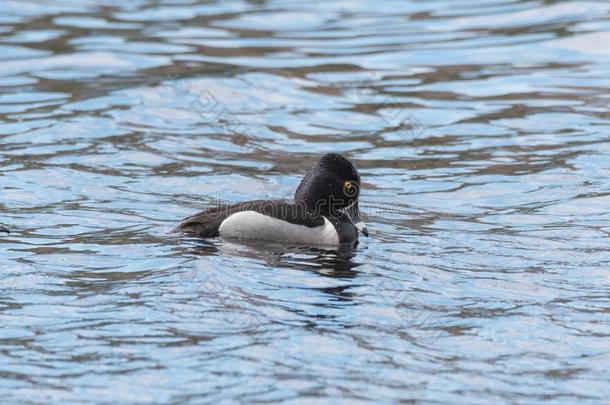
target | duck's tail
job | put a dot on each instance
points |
(206, 224)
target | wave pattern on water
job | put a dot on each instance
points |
(480, 129)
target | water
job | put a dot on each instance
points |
(480, 129)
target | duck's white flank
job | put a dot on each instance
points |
(254, 225)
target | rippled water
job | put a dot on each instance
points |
(480, 128)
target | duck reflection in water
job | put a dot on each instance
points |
(335, 263)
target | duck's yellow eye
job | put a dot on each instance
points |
(349, 188)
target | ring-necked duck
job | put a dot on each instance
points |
(324, 211)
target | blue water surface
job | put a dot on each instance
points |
(481, 130)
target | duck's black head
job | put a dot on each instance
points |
(332, 189)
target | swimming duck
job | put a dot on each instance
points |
(324, 211)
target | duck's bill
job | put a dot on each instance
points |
(353, 212)
(362, 228)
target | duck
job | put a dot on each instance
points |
(324, 211)
(4, 229)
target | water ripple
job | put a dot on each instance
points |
(480, 131)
